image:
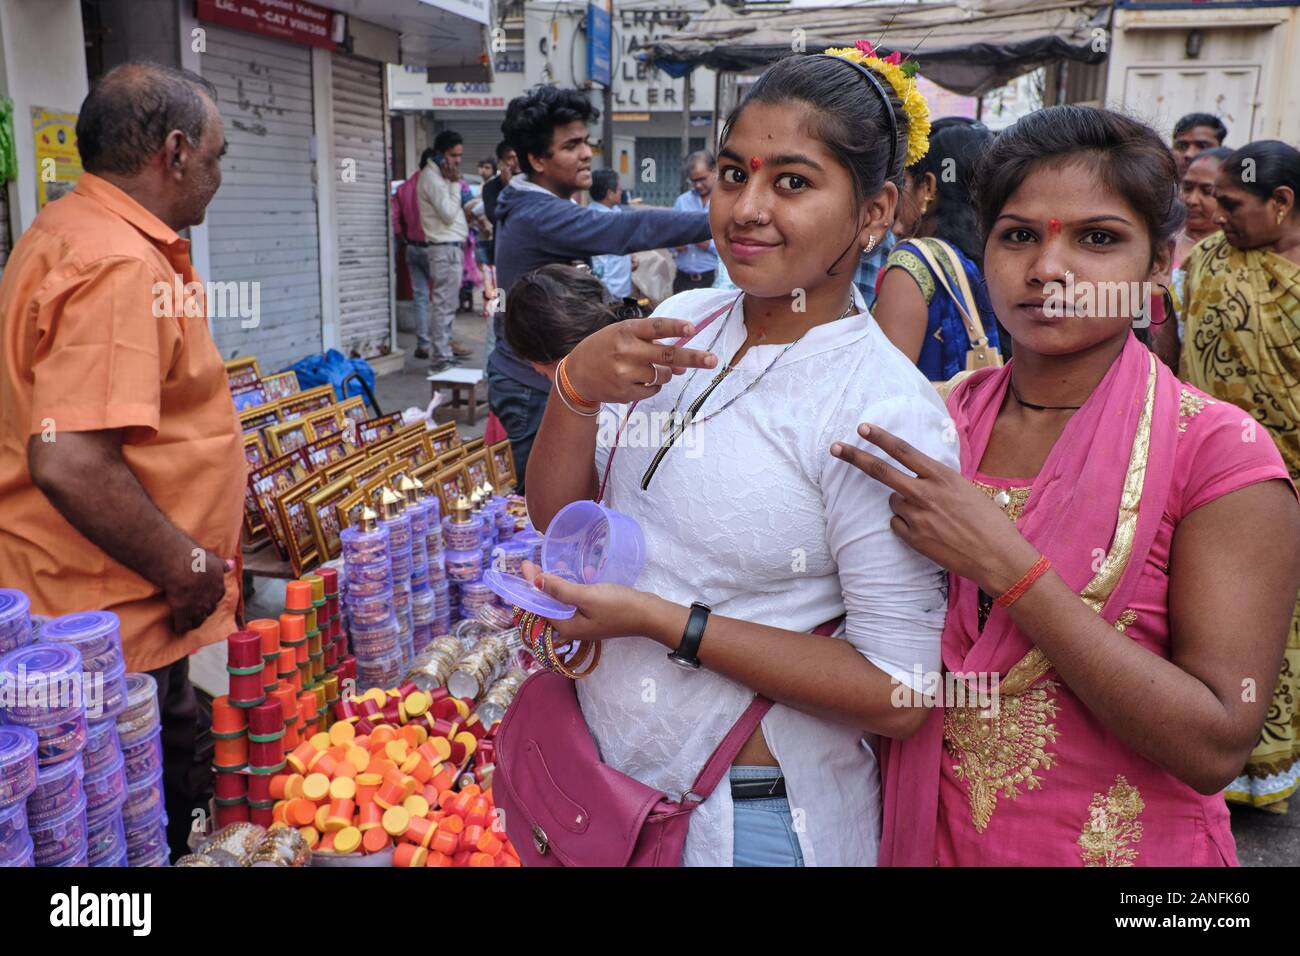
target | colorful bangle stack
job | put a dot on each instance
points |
(539, 636)
(569, 395)
(1017, 590)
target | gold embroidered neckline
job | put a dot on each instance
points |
(1018, 496)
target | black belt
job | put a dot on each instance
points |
(765, 788)
(417, 242)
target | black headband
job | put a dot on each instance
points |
(889, 107)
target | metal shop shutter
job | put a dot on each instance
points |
(361, 207)
(262, 225)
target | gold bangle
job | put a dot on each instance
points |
(581, 657)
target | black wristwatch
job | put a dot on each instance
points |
(688, 652)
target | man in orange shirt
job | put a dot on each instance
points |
(121, 467)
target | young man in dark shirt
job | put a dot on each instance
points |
(538, 223)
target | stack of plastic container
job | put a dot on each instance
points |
(15, 620)
(17, 783)
(422, 598)
(462, 533)
(441, 621)
(97, 635)
(46, 694)
(139, 730)
(372, 619)
(398, 522)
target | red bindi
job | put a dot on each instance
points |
(755, 163)
(1054, 226)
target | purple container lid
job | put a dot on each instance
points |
(17, 745)
(14, 604)
(139, 687)
(53, 663)
(84, 627)
(520, 593)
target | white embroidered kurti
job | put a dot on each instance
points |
(750, 514)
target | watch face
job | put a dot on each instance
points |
(684, 662)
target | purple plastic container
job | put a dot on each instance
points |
(143, 758)
(106, 787)
(62, 740)
(58, 787)
(106, 839)
(587, 543)
(15, 840)
(17, 766)
(144, 798)
(15, 620)
(102, 746)
(140, 718)
(60, 840)
(43, 683)
(97, 634)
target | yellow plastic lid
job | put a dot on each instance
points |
(322, 817)
(321, 741)
(358, 756)
(396, 821)
(396, 750)
(416, 703)
(416, 805)
(343, 788)
(342, 733)
(369, 779)
(347, 839)
(316, 787)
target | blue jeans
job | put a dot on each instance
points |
(519, 408)
(763, 829)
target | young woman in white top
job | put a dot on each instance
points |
(746, 511)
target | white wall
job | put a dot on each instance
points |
(42, 63)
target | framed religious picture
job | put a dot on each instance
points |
(249, 396)
(375, 429)
(502, 462)
(289, 436)
(424, 473)
(473, 445)
(327, 421)
(281, 385)
(339, 467)
(478, 469)
(411, 452)
(443, 438)
(400, 435)
(327, 451)
(242, 371)
(348, 509)
(372, 467)
(296, 520)
(255, 450)
(450, 484)
(375, 483)
(354, 413)
(457, 454)
(273, 478)
(258, 417)
(322, 511)
(298, 405)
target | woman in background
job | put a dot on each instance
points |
(1242, 345)
(919, 308)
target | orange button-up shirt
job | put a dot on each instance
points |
(81, 349)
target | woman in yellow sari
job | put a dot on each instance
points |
(1242, 345)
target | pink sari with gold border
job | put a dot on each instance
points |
(1042, 782)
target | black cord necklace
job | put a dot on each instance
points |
(1040, 408)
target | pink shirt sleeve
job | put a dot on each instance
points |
(1222, 450)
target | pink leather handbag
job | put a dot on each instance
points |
(563, 807)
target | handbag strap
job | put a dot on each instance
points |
(700, 327)
(724, 754)
(966, 301)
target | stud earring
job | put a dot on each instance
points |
(1280, 216)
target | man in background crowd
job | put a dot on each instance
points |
(614, 271)
(697, 263)
(1194, 133)
(445, 229)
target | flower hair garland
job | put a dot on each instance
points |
(901, 75)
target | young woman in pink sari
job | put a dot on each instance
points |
(1124, 551)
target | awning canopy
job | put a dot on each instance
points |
(968, 46)
(442, 35)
